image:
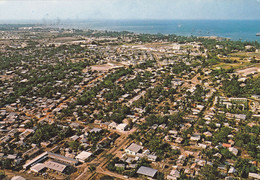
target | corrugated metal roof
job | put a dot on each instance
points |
(147, 171)
(55, 166)
(38, 167)
(134, 147)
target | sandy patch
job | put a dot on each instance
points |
(104, 67)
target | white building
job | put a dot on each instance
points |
(233, 150)
(254, 175)
(133, 149)
(83, 156)
(121, 127)
(112, 125)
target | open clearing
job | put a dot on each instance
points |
(104, 67)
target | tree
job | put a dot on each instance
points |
(6, 164)
(209, 173)
(226, 153)
(222, 135)
(243, 167)
(74, 145)
(160, 176)
(2, 175)
(117, 117)
(45, 132)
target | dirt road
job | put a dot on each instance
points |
(121, 142)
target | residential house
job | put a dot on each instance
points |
(174, 175)
(233, 150)
(133, 149)
(95, 130)
(195, 137)
(151, 157)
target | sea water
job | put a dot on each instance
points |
(244, 30)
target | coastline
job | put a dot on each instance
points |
(230, 29)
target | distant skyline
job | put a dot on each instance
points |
(129, 9)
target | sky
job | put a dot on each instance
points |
(129, 9)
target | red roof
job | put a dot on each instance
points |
(226, 145)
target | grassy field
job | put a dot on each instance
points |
(245, 54)
(238, 65)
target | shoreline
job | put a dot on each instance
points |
(178, 28)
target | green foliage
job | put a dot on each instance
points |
(2, 174)
(244, 167)
(44, 133)
(232, 87)
(117, 117)
(6, 164)
(160, 176)
(209, 172)
(114, 94)
(74, 145)
(209, 153)
(130, 173)
(180, 67)
(153, 119)
(198, 94)
(67, 132)
(167, 81)
(252, 87)
(226, 153)
(111, 164)
(249, 140)
(106, 178)
(132, 84)
(213, 61)
(42, 80)
(222, 135)
(95, 137)
(155, 144)
(146, 64)
(222, 72)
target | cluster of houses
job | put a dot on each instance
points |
(17, 119)
(131, 157)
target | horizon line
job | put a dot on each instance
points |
(86, 19)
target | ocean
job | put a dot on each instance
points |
(244, 30)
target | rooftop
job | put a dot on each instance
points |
(83, 155)
(37, 167)
(18, 178)
(135, 148)
(147, 171)
(55, 166)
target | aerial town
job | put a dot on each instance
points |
(87, 104)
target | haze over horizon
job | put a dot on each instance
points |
(129, 9)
